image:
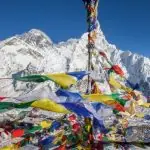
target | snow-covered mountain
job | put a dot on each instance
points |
(34, 52)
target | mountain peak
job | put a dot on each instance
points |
(36, 38)
(37, 32)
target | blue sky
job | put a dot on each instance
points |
(125, 23)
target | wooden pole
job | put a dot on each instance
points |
(89, 69)
(91, 7)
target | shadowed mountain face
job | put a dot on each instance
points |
(34, 52)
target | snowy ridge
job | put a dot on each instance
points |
(34, 52)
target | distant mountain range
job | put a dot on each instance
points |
(34, 52)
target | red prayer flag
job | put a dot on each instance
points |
(91, 9)
(72, 118)
(17, 133)
(100, 137)
(90, 39)
(117, 70)
(76, 127)
(98, 146)
(127, 97)
(2, 98)
(103, 54)
(119, 107)
(62, 147)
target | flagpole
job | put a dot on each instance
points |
(91, 7)
(89, 68)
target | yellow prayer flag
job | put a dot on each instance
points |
(117, 85)
(62, 79)
(45, 124)
(10, 147)
(97, 97)
(58, 137)
(47, 104)
(105, 99)
(139, 115)
(146, 105)
(131, 108)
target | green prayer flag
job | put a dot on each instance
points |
(115, 111)
(118, 99)
(33, 78)
(7, 105)
(34, 129)
(24, 105)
